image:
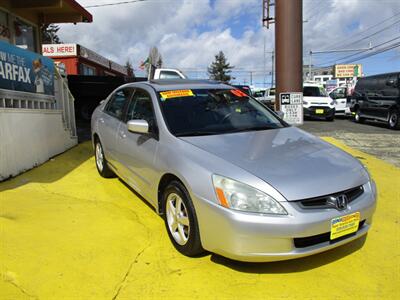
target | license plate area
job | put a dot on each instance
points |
(319, 111)
(344, 225)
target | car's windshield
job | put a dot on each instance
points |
(214, 111)
(314, 91)
(258, 94)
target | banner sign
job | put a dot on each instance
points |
(59, 49)
(347, 71)
(25, 71)
(292, 107)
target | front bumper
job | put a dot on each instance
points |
(262, 238)
(311, 111)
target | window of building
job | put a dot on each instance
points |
(87, 70)
(25, 35)
(5, 32)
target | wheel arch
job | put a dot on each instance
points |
(163, 183)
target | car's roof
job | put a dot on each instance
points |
(182, 84)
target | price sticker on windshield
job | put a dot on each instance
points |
(176, 94)
(239, 93)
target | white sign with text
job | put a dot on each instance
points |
(292, 107)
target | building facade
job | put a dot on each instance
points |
(79, 60)
(37, 118)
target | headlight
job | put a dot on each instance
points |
(305, 102)
(333, 102)
(239, 196)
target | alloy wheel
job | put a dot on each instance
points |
(99, 157)
(393, 120)
(177, 219)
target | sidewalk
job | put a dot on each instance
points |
(67, 233)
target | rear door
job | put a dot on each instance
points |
(136, 152)
(389, 94)
(110, 121)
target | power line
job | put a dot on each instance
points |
(372, 34)
(115, 3)
(354, 54)
(390, 47)
(365, 30)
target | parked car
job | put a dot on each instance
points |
(341, 101)
(227, 174)
(317, 103)
(378, 98)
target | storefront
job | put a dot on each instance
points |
(20, 20)
(79, 60)
(37, 118)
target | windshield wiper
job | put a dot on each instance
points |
(257, 128)
(196, 133)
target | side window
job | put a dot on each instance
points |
(141, 108)
(169, 75)
(117, 102)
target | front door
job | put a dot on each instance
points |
(110, 121)
(137, 152)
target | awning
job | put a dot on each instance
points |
(54, 11)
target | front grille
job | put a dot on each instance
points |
(327, 200)
(321, 238)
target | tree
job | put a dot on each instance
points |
(129, 68)
(220, 68)
(159, 62)
(49, 34)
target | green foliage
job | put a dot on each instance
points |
(220, 68)
(49, 34)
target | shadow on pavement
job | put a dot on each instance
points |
(294, 265)
(52, 170)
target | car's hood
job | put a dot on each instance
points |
(296, 163)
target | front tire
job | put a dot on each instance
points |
(101, 162)
(357, 117)
(180, 220)
(394, 120)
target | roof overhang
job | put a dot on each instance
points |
(55, 11)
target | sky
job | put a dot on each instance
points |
(189, 33)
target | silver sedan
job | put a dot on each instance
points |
(227, 174)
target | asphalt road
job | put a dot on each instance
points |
(372, 137)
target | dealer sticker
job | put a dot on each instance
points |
(344, 225)
(176, 94)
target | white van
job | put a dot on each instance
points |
(317, 103)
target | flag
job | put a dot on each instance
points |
(144, 63)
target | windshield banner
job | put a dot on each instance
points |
(25, 71)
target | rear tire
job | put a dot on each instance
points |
(180, 220)
(394, 122)
(101, 162)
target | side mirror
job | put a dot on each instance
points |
(280, 114)
(138, 126)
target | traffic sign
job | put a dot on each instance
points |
(292, 107)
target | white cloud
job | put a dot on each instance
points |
(190, 32)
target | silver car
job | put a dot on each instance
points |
(227, 174)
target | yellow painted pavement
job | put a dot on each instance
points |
(67, 233)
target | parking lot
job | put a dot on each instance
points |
(67, 233)
(372, 137)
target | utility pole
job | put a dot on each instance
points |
(251, 77)
(288, 47)
(272, 72)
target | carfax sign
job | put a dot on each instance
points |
(292, 107)
(25, 71)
